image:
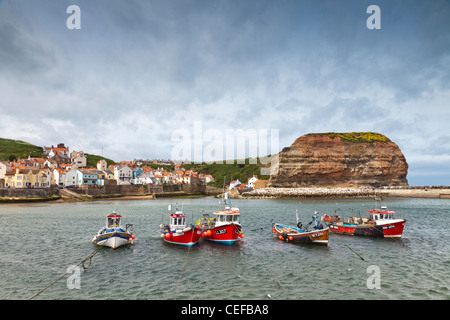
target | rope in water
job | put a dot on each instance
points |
(348, 246)
(89, 257)
(262, 262)
(186, 259)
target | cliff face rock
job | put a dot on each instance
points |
(341, 160)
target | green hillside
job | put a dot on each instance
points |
(92, 160)
(223, 172)
(10, 149)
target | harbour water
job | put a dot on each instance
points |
(39, 242)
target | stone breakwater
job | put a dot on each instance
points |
(442, 192)
(273, 193)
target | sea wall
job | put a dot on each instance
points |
(28, 195)
(442, 192)
(120, 189)
(31, 193)
(160, 189)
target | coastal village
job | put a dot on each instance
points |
(362, 165)
(64, 169)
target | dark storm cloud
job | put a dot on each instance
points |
(138, 69)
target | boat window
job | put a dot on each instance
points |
(229, 218)
(113, 221)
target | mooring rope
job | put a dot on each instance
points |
(89, 257)
(185, 260)
(348, 246)
(262, 262)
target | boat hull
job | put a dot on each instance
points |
(296, 235)
(113, 239)
(386, 230)
(185, 238)
(225, 234)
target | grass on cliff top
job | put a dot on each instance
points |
(10, 149)
(224, 173)
(92, 159)
(359, 136)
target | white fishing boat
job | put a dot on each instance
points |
(113, 234)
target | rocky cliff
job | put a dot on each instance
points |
(341, 160)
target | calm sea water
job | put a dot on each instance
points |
(40, 241)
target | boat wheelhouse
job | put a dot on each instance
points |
(113, 235)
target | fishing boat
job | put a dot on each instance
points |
(224, 227)
(178, 232)
(314, 232)
(381, 222)
(113, 234)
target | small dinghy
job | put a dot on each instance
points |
(113, 235)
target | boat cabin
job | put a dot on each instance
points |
(113, 220)
(178, 219)
(379, 214)
(227, 216)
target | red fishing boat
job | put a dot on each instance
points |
(224, 228)
(381, 222)
(177, 232)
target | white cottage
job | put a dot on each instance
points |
(123, 174)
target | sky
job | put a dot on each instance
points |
(139, 72)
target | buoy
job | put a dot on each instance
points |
(274, 230)
(208, 233)
(203, 235)
(168, 235)
(241, 236)
(291, 238)
(280, 237)
(133, 236)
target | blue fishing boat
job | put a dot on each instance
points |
(314, 232)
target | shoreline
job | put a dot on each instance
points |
(431, 192)
(435, 192)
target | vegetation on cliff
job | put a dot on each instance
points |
(358, 136)
(13, 149)
(92, 159)
(224, 173)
